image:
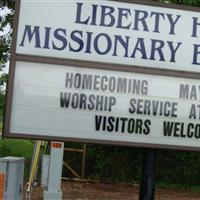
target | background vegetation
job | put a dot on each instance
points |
(179, 169)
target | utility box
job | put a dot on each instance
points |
(12, 174)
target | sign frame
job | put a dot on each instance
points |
(87, 64)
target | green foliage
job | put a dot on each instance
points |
(15, 147)
(184, 2)
(191, 2)
(5, 39)
(175, 169)
(5, 44)
(2, 101)
(18, 148)
(179, 168)
(108, 163)
(7, 3)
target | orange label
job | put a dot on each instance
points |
(56, 145)
(2, 182)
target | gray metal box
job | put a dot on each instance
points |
(45, 170)
(13, 168)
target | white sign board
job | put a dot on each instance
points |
(105, 72)
(110, 32)
(107, 106)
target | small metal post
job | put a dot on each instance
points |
(147, 186)
(55, 171)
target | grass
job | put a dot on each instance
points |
(18, 148)
(15, 147)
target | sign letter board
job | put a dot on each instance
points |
(105, 72)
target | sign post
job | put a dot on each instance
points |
(147, 185)
(53, 190)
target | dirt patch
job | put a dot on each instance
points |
(101, 191)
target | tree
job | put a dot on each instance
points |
(5, 44)
(184, 2)
(5, 39)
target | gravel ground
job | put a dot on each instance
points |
(101, 191)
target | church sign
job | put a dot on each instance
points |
(105, 72)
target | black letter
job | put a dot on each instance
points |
(196, 53)
(158, 49)
(173, 50)
(78, 16)
(167, 128)
(98, 120)
(104, 14)
(30, 35)
(77, 40)
(141, 19)
(172, 23)
(195, 24)
(60, 38)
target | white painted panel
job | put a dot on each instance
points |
(83, 39)
(37, 110)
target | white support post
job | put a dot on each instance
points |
(55, 172)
